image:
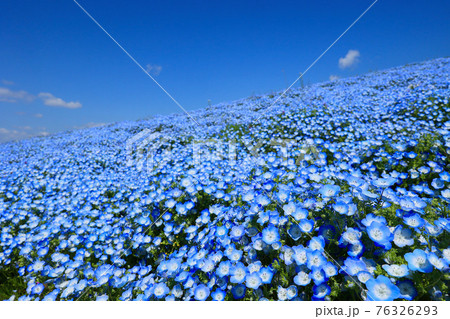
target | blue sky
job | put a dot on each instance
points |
(59, 71)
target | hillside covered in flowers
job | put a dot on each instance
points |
(339, 191)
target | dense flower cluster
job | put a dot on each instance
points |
(357, 210)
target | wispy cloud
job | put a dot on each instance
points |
(36, 115)
(6, 82)
(20, 133)
(334, 77)
(51, 100)
(153, 69)
(89, 125)
(10, 96)
(350, 59)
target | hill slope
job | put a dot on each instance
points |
(335, 188)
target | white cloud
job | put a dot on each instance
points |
(10, 96)
(350, 59)
(20, 133)
(51, 100)
(11, 135)
(334, 77)
(38, 115)
(89, 125)
(6, 82)
(153, 69)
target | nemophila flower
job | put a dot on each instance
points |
(437, 183)
(316, 243)
(407, 204)
(306, 225)
(367, 195)
(289, 208)
(438, 263)
(237, 232)
(315, 259)
(238, 273)
(102, 298)
(160, 290)
(367, 221)
(433, 230)
(380, 234)
(37, 289)
(363, 276)
(300, 214)
(403, 236)
(270, 235)
(235, 255)
(302, 279)
(328, 232)
(294, 232)
(238, 291)
(317, 275)
(384, 182)
(42, 251)
(341, 208)
(328, 191)
(407, 290)
(201, 292)
(291, 292)
(321, 291)
(396, 270)
(330, 269)
(382, 289)
(253, 281)
(266, 275)
(282, 293)
(418, 261)
(353, 266)
(350, 236)
(413, 220)
(287, 255)
(446, 255)
(218, 295)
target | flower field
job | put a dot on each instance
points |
(340, 191)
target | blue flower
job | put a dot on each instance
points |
(316, 243)
(384, 182)
(291, 292)
(237, 232)
(396, 270)
(201, 292)
(238, 273)
(302, 279)
(294, 232)
(380, 234)
(382, 289)
(37, 289)
(238, 291)
(266, 275)
(321, 291)
(318, 275)
(306, 225)
(270, 235)
(328, 191)
(403, 236)
(413, 220)
(218, 295)
(160, 290)
(407, 290)
(253, 281)
(418, 261)
(353, 266)
(315, 259)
